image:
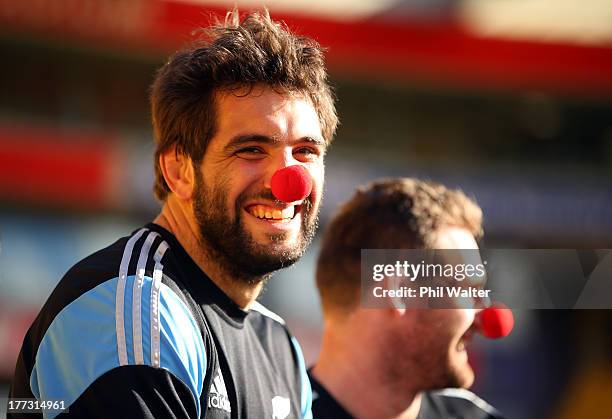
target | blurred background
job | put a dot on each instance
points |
(509, 100)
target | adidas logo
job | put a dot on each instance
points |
(217, 398)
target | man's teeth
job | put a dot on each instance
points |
(261, 211)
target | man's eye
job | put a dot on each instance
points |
(307, 152)
(250, 153)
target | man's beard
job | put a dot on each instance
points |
(426, 359)
(231, 245)
(447, 369)
(454, 374)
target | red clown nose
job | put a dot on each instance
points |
(496, 321)
(293, 183)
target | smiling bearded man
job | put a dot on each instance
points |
(164, 322)
(240, 228)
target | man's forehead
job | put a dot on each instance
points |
(266, 111)
(258, 99)
(454, 237)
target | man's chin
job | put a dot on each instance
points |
(467, 380)
(277, 243)
(462, 376)
(271, 253)
(262, 264)
(265, 251)
(283, 253)
(273, 240)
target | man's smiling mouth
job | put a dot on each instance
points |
(266, 212)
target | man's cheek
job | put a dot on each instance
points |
(321, 174)
(317, 173)
(318, 194)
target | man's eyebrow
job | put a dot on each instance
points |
(239, 140)
(320, 142)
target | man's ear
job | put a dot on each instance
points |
(178, 172)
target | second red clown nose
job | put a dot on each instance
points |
(292, 183)
(496, 321)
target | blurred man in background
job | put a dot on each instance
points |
(164, 322)
(394, 362)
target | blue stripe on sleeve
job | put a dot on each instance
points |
(181, 352)
(80, 345)
(127, 318)
(146, 320)
(306, 399)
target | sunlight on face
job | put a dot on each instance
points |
(259, 133)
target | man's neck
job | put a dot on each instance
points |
(186, 232)
(350, 372)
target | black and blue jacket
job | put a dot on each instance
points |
(137, 330)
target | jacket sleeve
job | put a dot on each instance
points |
(135, 391)
(126, 348)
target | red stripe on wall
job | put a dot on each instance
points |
(405, 50)
(413, 51)
(42, 166)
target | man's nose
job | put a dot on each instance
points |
(280, 161)
(291, 184)
(495, 321)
